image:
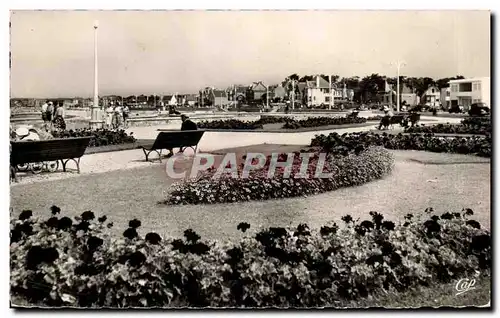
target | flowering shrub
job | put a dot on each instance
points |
(347, 168)
(322, 121)
(452, 129)
(75, 262)
(101, 137)
(480, 146)
(229, 124)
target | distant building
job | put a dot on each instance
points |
(259, 91)
(445, 97)
(431, 97)
(279, 93)
(218, 97)
(465, 92)
(407, 95)
(191, 100)
(319, 92)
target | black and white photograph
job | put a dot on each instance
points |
(250, 159)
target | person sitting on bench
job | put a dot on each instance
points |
(386, 120)
(187, 124)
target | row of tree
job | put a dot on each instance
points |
(369, 87)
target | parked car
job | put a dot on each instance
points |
(456, 109)
(479, 109)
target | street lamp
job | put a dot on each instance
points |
(293, 93)
(399, 64)
(95, 121)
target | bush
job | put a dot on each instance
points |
(480, 146)
(236, 124)
(229, 124)
(476, 121)
(452, 129)
(322, 121)
(75, 262)
(349, 169)
(100, 137)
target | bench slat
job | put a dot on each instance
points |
(177, 139)
(48, 150)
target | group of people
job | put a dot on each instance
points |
(53, 116)
(117, 116)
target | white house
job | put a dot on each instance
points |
(432, 96)
(465, 92)
(318, 92)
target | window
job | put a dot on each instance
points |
(454, 88)
(465, 87)
(314, 97)
(447, 93)
(432, 90)
(327, 99)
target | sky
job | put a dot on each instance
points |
(165, 52)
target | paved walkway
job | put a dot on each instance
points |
(211, 141)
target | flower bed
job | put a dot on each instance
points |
(66, 261)
(348, 168)
(101, 137)
(229, 124)
(480, 146)
(236, 124)
(481, 129)
(322, 121)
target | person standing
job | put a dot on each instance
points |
(109, 116)
(44, 113)
(59, 122)
(50, 113)
(126, 113)
(118, 116)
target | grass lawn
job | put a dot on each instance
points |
(447, 182)
(439, 295)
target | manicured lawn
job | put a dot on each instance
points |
(419, 180)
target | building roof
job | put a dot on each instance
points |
(472, 79)
(258, 86)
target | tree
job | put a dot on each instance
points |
(444, 82)
(370, 86)
(306, 78)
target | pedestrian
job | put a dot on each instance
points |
(126, 113)
(50, 114)
(59, 122)
(44, 113)
(109, 116)
(118, 116)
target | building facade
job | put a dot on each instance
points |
(445, 97)
(432, 97)
(319, 92)
(465, 92)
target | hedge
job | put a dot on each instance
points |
(64, 261)
(349, 169)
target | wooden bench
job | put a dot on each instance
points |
(168, 139)
(63, 149)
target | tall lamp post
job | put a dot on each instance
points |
(95, 120)
(399, 64)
